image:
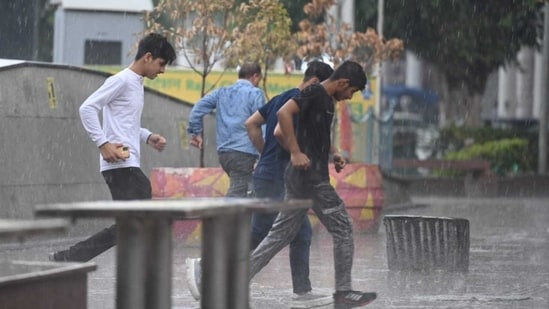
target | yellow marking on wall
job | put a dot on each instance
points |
(197, 232)
(51, 93)
(333, 181)
(207, 181)
(366, 214)
(370, 200)
(222, 184)
(186, 85)
(357, 178)
(183, 138)
(313, 218)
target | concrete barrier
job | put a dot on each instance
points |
(50, 158)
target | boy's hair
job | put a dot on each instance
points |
(353, 72)
(248, 70)
(158, 46)
(318, 69)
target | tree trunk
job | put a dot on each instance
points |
(441, 87)
(473, 110)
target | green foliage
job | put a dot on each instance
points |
(295, 10)
(262, 34)
(508, 150)
(456, 138)
(505, 155)
(365, 14)
(323, 34)
(468, 39)
(27, 29)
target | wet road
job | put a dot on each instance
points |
(509, 263)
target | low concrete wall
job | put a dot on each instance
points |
(46, 155)
(399, 191)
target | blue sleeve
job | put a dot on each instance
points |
(258, 101)
(201, 108)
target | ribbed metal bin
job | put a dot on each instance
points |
(422, 243)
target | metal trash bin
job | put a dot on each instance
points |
(422, 243)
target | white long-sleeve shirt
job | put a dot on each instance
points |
(121, 99)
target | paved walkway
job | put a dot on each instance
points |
(509, 263)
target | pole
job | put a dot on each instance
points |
(35, 29)
(380, 14)
(542, 138)
(377, 89)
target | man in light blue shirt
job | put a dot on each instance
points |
(233, 105)
(237, 155)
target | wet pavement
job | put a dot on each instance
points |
(508, 268)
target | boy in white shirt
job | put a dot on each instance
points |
(121, 99)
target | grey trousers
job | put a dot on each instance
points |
(331, 212)
(239, 166)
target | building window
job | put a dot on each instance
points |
(103, 52)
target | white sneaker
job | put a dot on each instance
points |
(310, 300)
(194, 276)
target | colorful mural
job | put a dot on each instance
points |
(359, 185)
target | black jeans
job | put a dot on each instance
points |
(125, 184)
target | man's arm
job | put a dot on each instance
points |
(156, 141)
(89, 116)
(253, 126)
(201, 108)
(286, 134)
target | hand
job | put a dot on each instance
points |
(157, 142)
(196, 141)
(339, 162)
(300, 161)
(111, 152)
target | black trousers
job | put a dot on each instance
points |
(125, 184)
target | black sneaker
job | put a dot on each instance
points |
(352, 299)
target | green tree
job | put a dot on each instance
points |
(365, 14)
(320, 35)
(234, 31)
(262, 35)
(26, 29)
(200, 31)
(464, 40)
(295, 10)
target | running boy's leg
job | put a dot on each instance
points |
(299, 246)
(331, 211)
(284, 229)
(125, 184)
(299, 257)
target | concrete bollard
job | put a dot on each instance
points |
(423, 243)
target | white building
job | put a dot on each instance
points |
(102, 32)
